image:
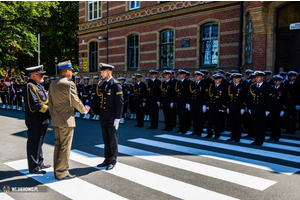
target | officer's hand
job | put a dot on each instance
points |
(158, 103)
(80, 93)
(86, 101)
(187, 106)
(171, 105)
(204, 108)
(281, 113)
(116, 123)
(221, 110)
(20, 90)
(207, 108)
(227, 110)
(242, 111)
(144, 104)
(297, 107)
(267, 113)
(87, 109)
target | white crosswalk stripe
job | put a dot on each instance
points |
(4, 196)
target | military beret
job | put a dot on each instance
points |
(198, 73)
(104, 66)
(65, 65)
(277, 77)
(267, 72)
(292, 73)
(259, 73)
(153, 71)
(218, 76)
(236, 75)
(38, 69)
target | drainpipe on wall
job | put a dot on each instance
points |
(240, 37)
(107, 33)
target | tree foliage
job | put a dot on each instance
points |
(22, 21)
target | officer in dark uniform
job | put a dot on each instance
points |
(86, 95)
(52, 79)
(146, 108)
(167, 99)
(278, 108)
(173, 107)
(131, 98)
(284, 77)
(259, 107)
(292, 89)
(8, 95)
(236, 106)
(198, 97)
(217, 105)
(26, 79)
(140, 99)
(182, 89)
(126, 92)
(110, 97)
(94, 89)
(37, 118)
(46, 83)
(250, 80)
(19, 87)
(79, 88)
(153, 99)
(268, 78)
(189, 115)
(14, 98)
(2, 94)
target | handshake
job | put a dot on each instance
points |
(87, 109)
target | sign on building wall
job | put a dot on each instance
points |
(295, 26)
(85, 68)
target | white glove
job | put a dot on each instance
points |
(144, 104)
(158, 103)
(227, 110)
(297, 107)
(86, 101)
(281, 113)
(250, 112)
(116, 123)
(87, 107)
(171, 105)
(20, 90)
(128, 92)
(207, 108)
(242, 111)
(204, 108)
(80, 93)
(267, 113)
(221, 110)
(187, 106)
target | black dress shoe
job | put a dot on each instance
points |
(208, 136)
(179, 131)
(253, 143)
(38, 172)
(153, 128)
(165, 129)
(169, 129)
(216, 137)
(110, 166)
(150, 127)
(69, 176)
(43, 166)
(183, 132)
(248, 135)
(229, 140)
(104, 164)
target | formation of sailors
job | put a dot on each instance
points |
(257, 102)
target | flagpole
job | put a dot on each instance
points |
(39, 49)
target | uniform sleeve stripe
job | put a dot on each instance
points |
(119, 93)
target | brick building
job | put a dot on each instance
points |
(142, 35)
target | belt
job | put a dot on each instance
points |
(85, 95)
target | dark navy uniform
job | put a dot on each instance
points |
(19, 87)
(37, 118)
(14, 97)
(153, 96)
(167, 97)
(260, 102)
(131, 100)
(96, 108)
(3, 93)
(292, 90)
(86, 93)
(236, 105)
(46, 85)
(217, 105)
(110, 97)
(125, 89)
(140, 98)
(198, 97)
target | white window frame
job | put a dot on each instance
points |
(170, 49)
(213, 44)
(135, 6)
(93, 10)
(249, 39)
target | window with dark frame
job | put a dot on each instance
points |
(133, 52)
(167, 49)
(94, 10)
(209, 44)
(93, 56)
(248, 45)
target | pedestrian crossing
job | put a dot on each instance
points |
(281, 158)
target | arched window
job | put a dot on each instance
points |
(167, 49)
(93, 56)
(248, 45)
(209, 44)
(288, 14)
(133, 52)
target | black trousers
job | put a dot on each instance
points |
(13, 99)
(183, 119)
(276, 125)
(174, 116)
(110, 139)
(248, 123)
(153, 113)
(124, 109)
(235, 119)
(3, 99)
(168, 116)
(259, 123)
(19, 97)
(139, 110)
(96, 109)
(197, 116)
(290, 120)
(215, 118)
(36, 136)
(131, 105)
